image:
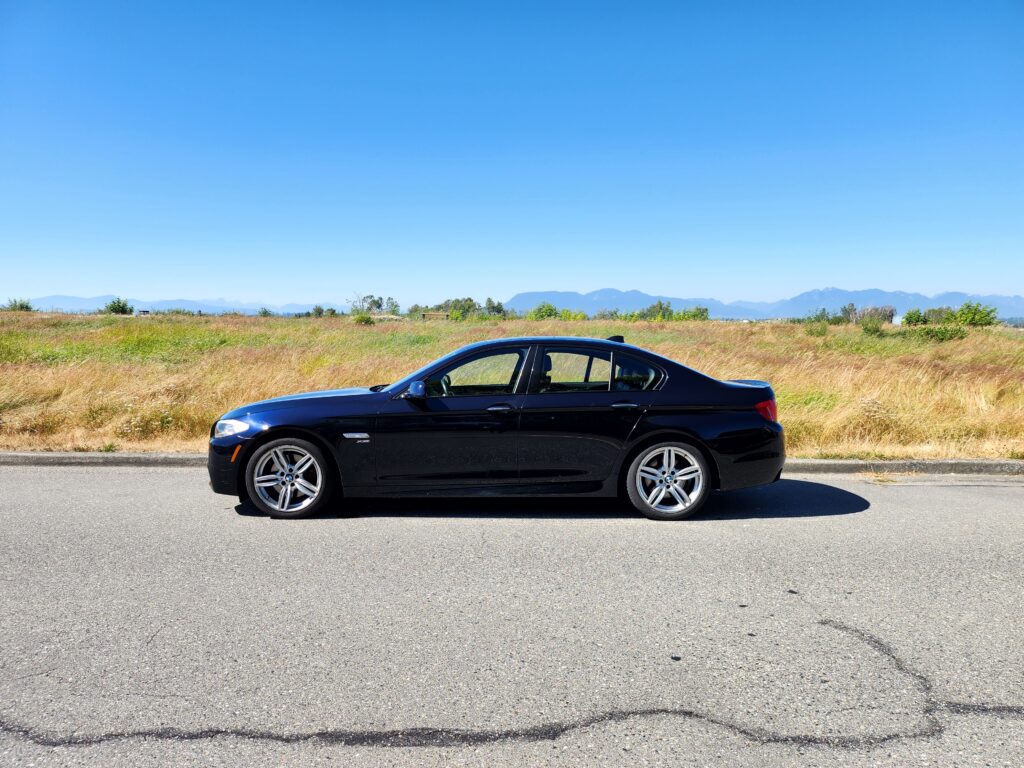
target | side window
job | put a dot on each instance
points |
(572, 370)
(632, 374)
(488, 374)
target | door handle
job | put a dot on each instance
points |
(500, 407)
(625, 405)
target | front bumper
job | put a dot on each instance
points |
(224, 461)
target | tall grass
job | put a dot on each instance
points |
(156, 383)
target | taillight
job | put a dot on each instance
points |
(768, 409)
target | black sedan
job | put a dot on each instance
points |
(527, 416)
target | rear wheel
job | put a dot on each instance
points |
(668, 481)
(288, 478)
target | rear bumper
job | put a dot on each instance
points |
(223, 471)
(760, 464)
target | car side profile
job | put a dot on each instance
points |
(539, 416)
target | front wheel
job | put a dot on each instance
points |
(288, 478)
(668, 481)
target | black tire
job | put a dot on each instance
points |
(696, 489)
(292, 449)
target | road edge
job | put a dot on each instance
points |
(798, 466)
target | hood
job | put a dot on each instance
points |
(295, 400)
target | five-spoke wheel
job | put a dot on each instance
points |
(287, 478)
(668, 481)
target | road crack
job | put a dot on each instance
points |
(931, 725)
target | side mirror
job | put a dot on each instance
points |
(416, 391)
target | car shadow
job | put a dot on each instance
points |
(783, 499)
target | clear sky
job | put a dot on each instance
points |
(305, 151)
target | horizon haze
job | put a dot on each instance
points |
(800, 305)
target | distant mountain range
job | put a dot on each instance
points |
(831, 299)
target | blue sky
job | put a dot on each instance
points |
(306, 151)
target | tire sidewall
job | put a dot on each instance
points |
(326, 483)
(641, 504)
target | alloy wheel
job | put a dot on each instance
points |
(288, 478)
(670, 479)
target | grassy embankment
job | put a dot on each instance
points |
(156, 383)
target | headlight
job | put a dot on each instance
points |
(228, 427)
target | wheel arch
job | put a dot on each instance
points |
(276, 433)
(662, 436)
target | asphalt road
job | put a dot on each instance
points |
(825, 620)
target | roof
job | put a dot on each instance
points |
(562, 340)
(549, 339)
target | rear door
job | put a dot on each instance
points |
(580, 408)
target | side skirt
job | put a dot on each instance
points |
(469, 491)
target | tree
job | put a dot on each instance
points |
(914, 317)
(971, 313)
(18, 305)
(543, 311)
(264, 312)
(882, 314)
(119, 306)
(391, 306)
(697, 313)
(492, 307)
(317, 311)
(659, 310)
(849, 313)
(939, 315)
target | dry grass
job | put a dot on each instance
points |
(156, 383)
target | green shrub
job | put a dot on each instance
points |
(317, 311)
(915, 317)
(119, 306)
(543, 311)
(816, 328)
(872, 325)
(975, 314)
(362, 318)
(18, 305)
(264, 312)
(945, 332)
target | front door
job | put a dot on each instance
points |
(463, 433)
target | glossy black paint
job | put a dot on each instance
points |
(520, 441)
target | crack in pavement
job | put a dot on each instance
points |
(455, 737)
